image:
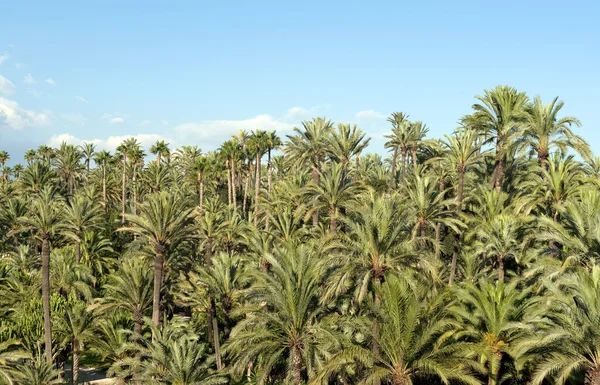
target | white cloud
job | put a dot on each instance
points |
(29, 79)
(3, 58)
(114, 118)
(369, 115)
(116, 121)
(144, 123)
(78, 119)
(81, 99)
(15, 117)
(301, 113)
(50, 81)
(111, 143)
(6, 86)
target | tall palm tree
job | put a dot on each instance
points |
(45, 219)
(416, 132)
(80, 215)
(273, 142)
(543, 130)
(37, 175)
(78, 329)
(398, 142)
(258, 143)
(103, 158)
(163, 221)
(10, 216)
(4, 157)
(88, 150)
(17, 170)
(499, 116)
(307, 148)
(29, 156)
(347, 142)
(161, 150)
(126, 150)
(68, 166)
(334, 191)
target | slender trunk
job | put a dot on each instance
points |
(459, 198)
(75, 368)
(158, 158)
(246, 186)
(77, 250)
(315, 179)
(257, 187)
(201, 192)
(216, 335)
(414, 156)
(228, 182)
(393, 171)
(460, 189)
(104, 184)
(500, 174)
(404, 151)
(438, 226)
(46, 296)
(333, 220)
(269, 170)
(500, 268)
(297, 365)
(233, 192)
(544, 164)
(453, 266)
(138, 320)
(134, 178)
(158, 277)
(376, 328)
(210, 311)
(124, 197)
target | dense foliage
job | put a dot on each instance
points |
(469, 259)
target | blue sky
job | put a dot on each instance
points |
(196, 72)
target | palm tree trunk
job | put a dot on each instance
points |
(297, 365)
(159, 260)
(500, 268)
(233, 192)
(394, 161)
(124, 197)
(438, 226)
(133, 180)
(404, 166)
(315, 215)
(46, 296)
(500, 174)
(137, 324)
(77, 250)
(246, 186)
(210, 311)
(104, 184)
(158, 158)
(215, 327)
(257, 187)
(333, 220)
(414, 156)
(459, 197)
(460, 189)
(228, 182)
(269, 169)
(75, 368)
(201, 191)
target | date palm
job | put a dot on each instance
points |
(29, 156)
(161, 150)
(544, 130)
(88, 150)
(80, 215)
(127, 149)
(346, 142)
(10, 217)
(44, 220)
(17, 170)
(499, 116)
(273, 142)
(68, 166)
(398, 142)
(411, 337)
(4, 157)
(37, 175)
(102, 159)
(282, 326)
(77, 328)
(416, 132)
(258, 143)
(163, 221)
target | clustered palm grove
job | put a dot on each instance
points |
(301, 259)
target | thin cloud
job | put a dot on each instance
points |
(50, 81)
(29, 79)
(81, 99)
(144, 123)
(4, 58)
(369, 115)
(6, 86)
(15, 117)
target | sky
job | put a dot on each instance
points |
(197, 72)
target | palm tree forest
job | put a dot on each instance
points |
(300, 257)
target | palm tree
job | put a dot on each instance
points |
(163, 221)
(307, 148)
(80, 215)
(284, 317)
(258, 143)
(130, 288)
(9, 355)
(543, 130)
(29, 156)
(499, 117)
(17, 170)
(88, 150)
(10, 216)
(230, 150)
(347, 142)
(68, 166)
(416, 133)
(160, 149)
(411, 340)
(493, 318)
(6, 172)
(78, 329)
(45, 219)
(398, 142)
(273, 142)
(37, 175)
(334, 191)
(102, 158)
(4, 157)
(569, 341)
(126, 149)
(37, 371)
